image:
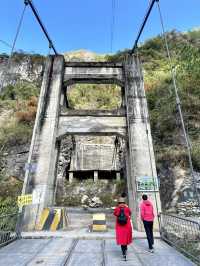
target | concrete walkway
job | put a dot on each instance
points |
(85, 252)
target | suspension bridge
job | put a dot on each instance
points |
(20, 240)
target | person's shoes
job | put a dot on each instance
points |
(151, 250)
(124, 257)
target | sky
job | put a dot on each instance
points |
(86, 24)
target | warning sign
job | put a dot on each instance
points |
(24, 200)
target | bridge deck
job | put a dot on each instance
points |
(74, 252)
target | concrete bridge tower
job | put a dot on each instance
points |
(130, 122)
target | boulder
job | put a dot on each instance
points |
(95, 202)
(84, 199)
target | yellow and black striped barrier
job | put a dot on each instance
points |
(53, 219)
(99, 222)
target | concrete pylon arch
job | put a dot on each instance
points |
(131, 122)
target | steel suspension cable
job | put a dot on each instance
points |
(37, 16)
(178, 103)
(13, 46)
(151, 4)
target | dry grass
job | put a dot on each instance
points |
(32, 101)
(28, 115)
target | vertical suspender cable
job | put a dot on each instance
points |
(112, 24)
(178, 103)
(18, 29)
(114, 158)
(13, 46)
(5, 43)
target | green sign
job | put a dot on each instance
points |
(146, 183)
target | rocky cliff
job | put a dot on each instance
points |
(21, 67)
(20, 79)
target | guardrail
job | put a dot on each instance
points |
(8, 228)
(182, 233)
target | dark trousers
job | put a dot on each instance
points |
(148, 226)
(124, 249)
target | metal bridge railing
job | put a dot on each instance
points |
(182, 233)
(8, 228)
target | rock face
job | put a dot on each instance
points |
(14, 161)
(21, 67)
(66, 147)
(188, 202)
(177, 190)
